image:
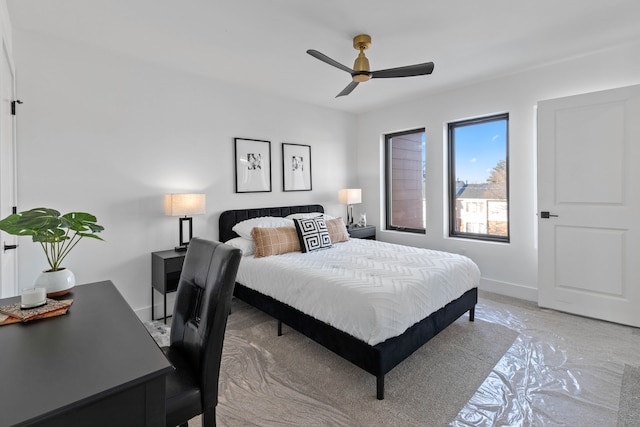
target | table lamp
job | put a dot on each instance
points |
(349, 197)
(184, 205)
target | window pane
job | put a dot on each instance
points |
(406, 159)
(479, 178)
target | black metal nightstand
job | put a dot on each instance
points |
(166, 267)
(366, 232)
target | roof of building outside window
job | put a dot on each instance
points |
(481, 191)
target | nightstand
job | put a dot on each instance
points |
(366, 232)
(166, 267)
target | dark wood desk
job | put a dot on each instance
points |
(95, 365)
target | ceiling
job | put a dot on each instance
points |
(262, 44)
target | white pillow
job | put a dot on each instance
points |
(243, 228)
(248, 247)
(309, 215)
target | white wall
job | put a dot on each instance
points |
(506, 268)
(110, 135)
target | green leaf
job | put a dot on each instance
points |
(57, 234)
(93, 236)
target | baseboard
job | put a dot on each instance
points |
(144, 313)
(509, 289)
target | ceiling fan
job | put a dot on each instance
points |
(360, 72)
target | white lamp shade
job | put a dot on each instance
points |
(350, 196)
(184, 204)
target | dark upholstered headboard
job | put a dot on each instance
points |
(230, 218)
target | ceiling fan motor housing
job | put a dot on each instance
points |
(361, 65)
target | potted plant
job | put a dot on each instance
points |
(58, 235)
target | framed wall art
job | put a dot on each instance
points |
(253, 165)
(296, 167)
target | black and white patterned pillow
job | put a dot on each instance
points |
(312, 233)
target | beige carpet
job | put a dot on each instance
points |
(629, 411)
(268, 380)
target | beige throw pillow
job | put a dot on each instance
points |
(337, 230)
(275, 241)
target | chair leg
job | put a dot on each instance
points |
(209, 417)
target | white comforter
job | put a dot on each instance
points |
(369, 289)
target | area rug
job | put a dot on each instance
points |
(266, 380)
(629, 411)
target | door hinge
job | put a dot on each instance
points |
(13, 106)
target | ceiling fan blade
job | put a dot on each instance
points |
(324, 58)
(347, 90)
(407, 71)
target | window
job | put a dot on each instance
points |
(479, 178)
(405, 163)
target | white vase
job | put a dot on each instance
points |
(57, 282)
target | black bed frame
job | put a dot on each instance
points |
(378, 359)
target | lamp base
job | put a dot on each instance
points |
(185, 223)
(349, 215)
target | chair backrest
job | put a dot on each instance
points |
(202, 304)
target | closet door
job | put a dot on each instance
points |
(589, 205)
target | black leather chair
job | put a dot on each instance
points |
(202, 304)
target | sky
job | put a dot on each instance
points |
(479, 147)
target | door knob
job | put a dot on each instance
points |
(7, 247)
(546, 214)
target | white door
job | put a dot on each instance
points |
(8, 243)
(589, 205)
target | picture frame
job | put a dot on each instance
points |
(296, 167)
(252, 165)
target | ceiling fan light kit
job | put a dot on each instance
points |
(361, 69)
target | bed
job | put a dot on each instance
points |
(370, 353)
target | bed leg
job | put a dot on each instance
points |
(279, 328)
(380, 387)
(472, 314)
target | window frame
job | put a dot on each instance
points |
(388, 181)
(453, 179)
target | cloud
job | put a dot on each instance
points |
(496, 136)
(473, 160)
